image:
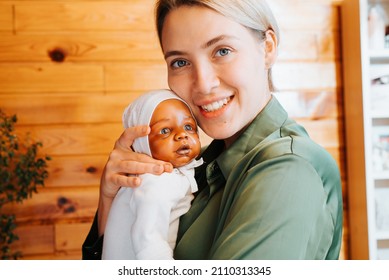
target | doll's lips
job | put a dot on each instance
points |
(183, 150)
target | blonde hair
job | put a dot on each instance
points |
(256, 15)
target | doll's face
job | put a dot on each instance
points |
(174, 135)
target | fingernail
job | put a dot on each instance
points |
(168, 167)
(157, 168)
(136, 181)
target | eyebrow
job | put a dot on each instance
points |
(213, 41)
(159, 121)
(168, 119)
(204, 46)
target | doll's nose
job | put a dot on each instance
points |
(181, 135)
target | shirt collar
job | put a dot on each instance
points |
(271, 118)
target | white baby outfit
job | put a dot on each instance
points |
(143, 221)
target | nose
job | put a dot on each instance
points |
(181, 135)
(205, 78)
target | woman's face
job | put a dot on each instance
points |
(219, 67)
(173, 136)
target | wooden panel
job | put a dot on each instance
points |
(6, 23)
(80, 47)
(50, 78)
(66, 108)
(309, 45)
(297, 45)
(101, 15)
(328, 45)
(136, 76)
(353, 101)
(310, 76)
(309, 105)
(312, 15)
(77, 170)
(46, 242)
(344, 252)
(62, 255)
(70, 237)
(34, 239)
(54, 205)
(87, 139)
(324, 132)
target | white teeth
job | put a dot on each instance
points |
(216, 105)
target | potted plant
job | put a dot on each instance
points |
(22, 171)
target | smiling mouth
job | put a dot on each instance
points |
(214, 106)
(183, 150)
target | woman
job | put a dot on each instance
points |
(266, 190)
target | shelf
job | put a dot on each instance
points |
(366, 83)
(379, 54)
(380, 115)
(384, 175)
(382, 235)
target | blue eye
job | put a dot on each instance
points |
(188, 127)
(223, 52)
(179, 63)
(164, 131)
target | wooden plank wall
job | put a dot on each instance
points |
(68, 68)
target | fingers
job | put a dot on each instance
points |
(128, 181)
(124, 165)
(125, 173)
(138, 167)
(125, 161)
(134, 163)
(127, 138)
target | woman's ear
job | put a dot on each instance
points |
(270, 48)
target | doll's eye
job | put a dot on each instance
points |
(165, 131)
(188, 127)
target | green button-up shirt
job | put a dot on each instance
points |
(273, 194)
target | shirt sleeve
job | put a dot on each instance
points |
(276, 211)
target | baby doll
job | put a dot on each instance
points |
(143, 221)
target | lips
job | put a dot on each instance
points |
(183, 150)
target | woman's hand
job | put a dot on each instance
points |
(122, 169)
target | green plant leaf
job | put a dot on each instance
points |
(22, 171)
